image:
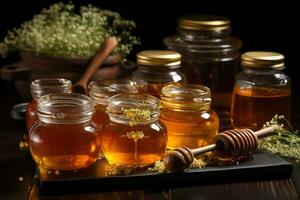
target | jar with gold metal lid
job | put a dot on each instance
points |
(64, 138)
(261, 90)
(157, 68)
(101, 90)
(210, 57)
(42, 87)
(186, 112)
(134, 136)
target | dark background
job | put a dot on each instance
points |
(261, 25)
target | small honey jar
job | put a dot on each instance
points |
(156, 69)
(42, 87)
(134, 136)
(101, 90)
(186, 112)
(64, 138)
(261, 90)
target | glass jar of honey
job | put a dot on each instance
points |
(210, 57)
(157, 68)
(261, 90)
(101, 90)
(64, 138)
(134, 136)
(42, 87)
(186, 112)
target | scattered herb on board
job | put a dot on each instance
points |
(286, 141)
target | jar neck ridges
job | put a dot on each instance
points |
(45, 86)
(61, 108)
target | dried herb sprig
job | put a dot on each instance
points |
(286, 141)
(61, 31)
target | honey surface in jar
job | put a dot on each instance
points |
(64, 147)
(253, 107)
(134, 136)
(64, 138)
(191, 130)
(185, 110)
(261, 90)
(132, 146)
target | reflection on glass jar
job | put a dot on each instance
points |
(134, 136)
(156, 69)
(101, 90)
(42, 87)
(186, 112)
(210, 57)
(261, 90)
(65, 138)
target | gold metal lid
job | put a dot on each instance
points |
(204, 22)
(263, 60)
(159, 58)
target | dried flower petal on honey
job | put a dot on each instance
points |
(136, 115)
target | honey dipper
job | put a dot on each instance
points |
(239, 141)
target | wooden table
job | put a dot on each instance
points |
(17, 174)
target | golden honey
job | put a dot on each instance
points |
(185, 110)
(64, 138)
(252, 107)
(134, 136)
(42, 87)
(261, 90)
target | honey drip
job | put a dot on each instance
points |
(139, 145)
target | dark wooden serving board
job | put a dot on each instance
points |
(263, 166)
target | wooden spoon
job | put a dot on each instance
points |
(108, 45)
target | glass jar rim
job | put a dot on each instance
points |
(183, 97)
(40, 87)
(101, 90)
(64, 108)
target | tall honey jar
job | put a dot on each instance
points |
(134, 136)
(65, 138)
(42, 87)
(101, 90)
(156, 69)
(186, 112)
(261, 90)
(210, 57)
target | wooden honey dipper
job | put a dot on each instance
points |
(239, 141)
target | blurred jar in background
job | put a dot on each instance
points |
(156, 69)
(101, 90)
(42, 87)
(261, 90)
(210, 57)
